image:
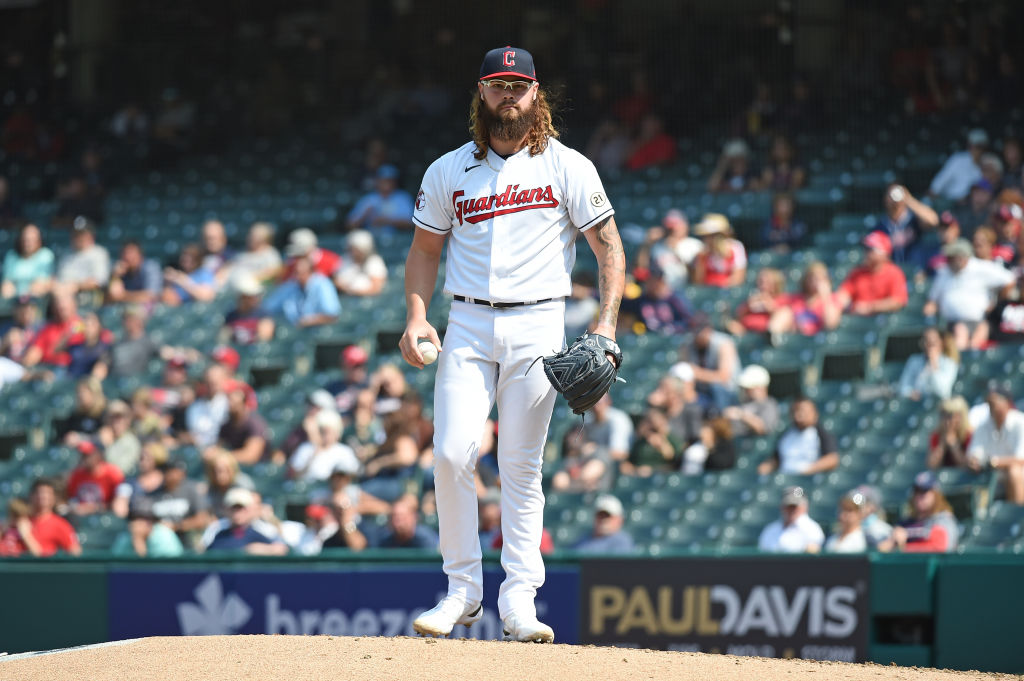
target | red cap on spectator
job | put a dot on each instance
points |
(227, 356)
(316, 511)
(178, 362)
(86, 447)
(947, 218)
(879, 241)
(1010, 211)
(354, 355)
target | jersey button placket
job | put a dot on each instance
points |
(499, 246)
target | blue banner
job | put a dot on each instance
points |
(382, 601)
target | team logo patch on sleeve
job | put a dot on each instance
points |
(421, 200)
(597, 199)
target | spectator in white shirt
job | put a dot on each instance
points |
(961, 170)
(962, 293)
(999, 442)
(805, 448)
(849, 536)
(363, 272)
(205, 416)
(794, 531)
(316, 462)
(670, 247)
(87, 267)
(260, 259)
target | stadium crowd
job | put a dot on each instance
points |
(359, 454)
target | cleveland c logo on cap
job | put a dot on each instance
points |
(510, 58)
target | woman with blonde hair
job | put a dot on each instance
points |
(947, 447)
(814, 309)
(222, 474)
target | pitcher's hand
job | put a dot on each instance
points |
(414, 331)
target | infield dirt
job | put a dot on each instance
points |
(297, 658)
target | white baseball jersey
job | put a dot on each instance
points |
(513, 221)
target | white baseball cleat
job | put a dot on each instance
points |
(442, 618)
(527, 629)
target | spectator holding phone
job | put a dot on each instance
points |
(904, 221)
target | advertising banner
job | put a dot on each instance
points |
(786, 607)
(370, 602)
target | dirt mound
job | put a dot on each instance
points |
(297, 658)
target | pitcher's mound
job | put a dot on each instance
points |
(297, 658)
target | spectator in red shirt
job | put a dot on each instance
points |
(756, 311)
(302, 243)
(876, 285)
(63, 328)
(16, 536)
(653, 146)
(814, 309)
(92, 485)
(723, 262)
(50, 531)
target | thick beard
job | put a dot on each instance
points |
(509, 128)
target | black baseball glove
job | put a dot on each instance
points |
(583, 373)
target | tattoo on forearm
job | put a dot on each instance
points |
(611, 271)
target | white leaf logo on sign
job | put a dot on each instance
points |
(212, 614)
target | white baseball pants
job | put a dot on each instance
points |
(485, 356)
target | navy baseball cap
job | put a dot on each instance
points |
(508, 61)
(925, 481)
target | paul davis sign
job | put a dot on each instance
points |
(769, 607)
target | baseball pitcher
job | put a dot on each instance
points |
(510, 204)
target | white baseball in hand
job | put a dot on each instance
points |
(428, 350)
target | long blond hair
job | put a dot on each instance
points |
(958, 405)
(536, 139)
